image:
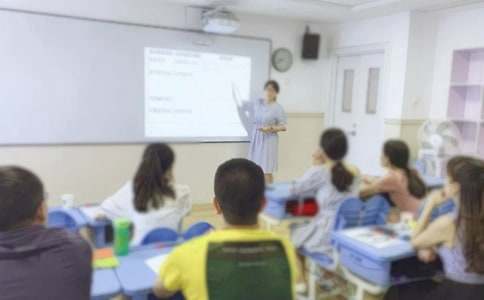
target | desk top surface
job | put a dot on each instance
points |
(105, 283)
(134, 274)
(371, 242)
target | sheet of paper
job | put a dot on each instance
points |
(155, 262)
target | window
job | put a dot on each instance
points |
(372, 92)
(348, 79)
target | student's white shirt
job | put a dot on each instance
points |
(170, 215)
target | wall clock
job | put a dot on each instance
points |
(282, 59)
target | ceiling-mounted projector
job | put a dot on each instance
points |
(219, 21)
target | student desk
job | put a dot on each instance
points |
(105, 284)
(366, 259)
(135, 277)
(271, 221)
(274, 214)
(380, 250)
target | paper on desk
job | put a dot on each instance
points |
(373, 238)
(155, 262)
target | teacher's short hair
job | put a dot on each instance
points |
(21, 194)
(239, 190)
(274, 84)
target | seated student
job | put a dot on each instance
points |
(240, 261)
(151, 200)
(332, 181)
(439, 197)
(403, 185)
(37, 262)
(458, 238)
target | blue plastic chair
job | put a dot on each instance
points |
(160, 235)
(59, 218)
(352, 213)
(197, 229)
(349, 214)
(445, 208)
(375, 211)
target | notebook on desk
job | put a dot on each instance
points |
(105, 259)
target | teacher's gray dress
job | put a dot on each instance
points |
(264, 146)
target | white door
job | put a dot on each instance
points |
(358, 109)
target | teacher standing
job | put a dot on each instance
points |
(269, 119)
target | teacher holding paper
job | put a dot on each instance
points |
(269, 119)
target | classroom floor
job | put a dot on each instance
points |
(206, 212)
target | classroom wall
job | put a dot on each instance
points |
(420, 64)
(302, 86)
(93, 172)
(420, 46)
(392, 32)
(459, 28)
(398, 34)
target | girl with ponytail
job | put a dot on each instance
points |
(403, 185)
(151, 199)
(332, 181)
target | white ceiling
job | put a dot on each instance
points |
(326, 10)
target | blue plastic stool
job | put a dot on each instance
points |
(160, 235)
(197, 229)
(58, 218)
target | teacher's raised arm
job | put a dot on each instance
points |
(269, 118)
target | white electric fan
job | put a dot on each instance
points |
(439, 140)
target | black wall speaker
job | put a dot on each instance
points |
(310, 45)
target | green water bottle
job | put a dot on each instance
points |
(121, 236)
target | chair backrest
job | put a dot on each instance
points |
(348, 214)
(353, 212)
(443, 209)
(197, 229)
(375, 211)
(57, 218)
(160, 235)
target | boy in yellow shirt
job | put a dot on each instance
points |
(239, 262)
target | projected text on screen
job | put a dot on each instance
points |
(191, 94)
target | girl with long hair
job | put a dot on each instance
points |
(151, 199)
(403, 184)
(332, 180)
(458, 237)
